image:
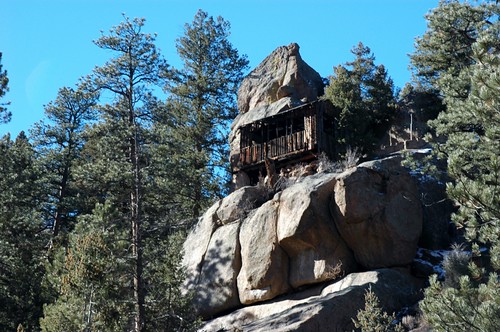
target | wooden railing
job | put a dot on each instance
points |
(275, 148)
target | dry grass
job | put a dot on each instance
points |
(334, 272)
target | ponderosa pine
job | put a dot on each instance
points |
(22, 236)
(459, 56)
(114, 158)
(59, 141)
(363, 95)
(203, 103)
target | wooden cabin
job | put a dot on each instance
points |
(290, 136)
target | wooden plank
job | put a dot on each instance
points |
(248, 155)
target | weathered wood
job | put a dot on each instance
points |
(257, 145)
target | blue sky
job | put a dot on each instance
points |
(47, 44)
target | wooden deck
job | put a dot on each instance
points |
(275, 148)
(295, 134)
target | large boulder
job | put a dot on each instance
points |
(307, 233)
(281, 74)
(264, 265)
(196, 245)
(317, 229)
(329, 308)
(216, 290)
(377, 211)
(237, 204)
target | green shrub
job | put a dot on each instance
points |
(373, 319)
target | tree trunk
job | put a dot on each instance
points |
(63, 187)
(135, 218)
(138, 268)
(197, 189)
(59, 210)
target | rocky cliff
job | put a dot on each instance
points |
(299, 256)
(250, 248)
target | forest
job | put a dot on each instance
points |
(97, 198)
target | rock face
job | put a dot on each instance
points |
(264, 269)
(216, 289)
(318, 229)
(237, 204)
(196, 246)
(378, 213)
(282, 74)
(329, 308)
(289, 260)
(281, 81)
(307, 233)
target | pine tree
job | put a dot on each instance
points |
(92, 276)
(425, 102)
(203, 103)
(468, 138)
(373, 319)
(5, 115)
(446, 46)
(363, 94)
(121, 267)
(22, 235)
(112, 172)
(345, 94)
(472, 131)
(137, 66)
(59, 143)
(468, 307)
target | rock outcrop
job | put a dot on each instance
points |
(264, 270)
(324, 308)
(282, 74)
(281, 81)
(237, 204)
(308, 234)
(318, 229)
(216, 289)
(378, 213)
(292, 254)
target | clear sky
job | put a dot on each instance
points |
(47, 44)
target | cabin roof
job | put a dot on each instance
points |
(280, 113)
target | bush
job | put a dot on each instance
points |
(455, 264)
(373, 319)
(349, 159)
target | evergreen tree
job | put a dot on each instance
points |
(129, 76)
(203, 104)
(59, 143)
(5, 115)
(373, 319)
(363, 94)
(468, 307)
(446, 46)
(425, 102)
(468, 138)
(92, 276)
(121, 268)
(345, 94)
(22, 235)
